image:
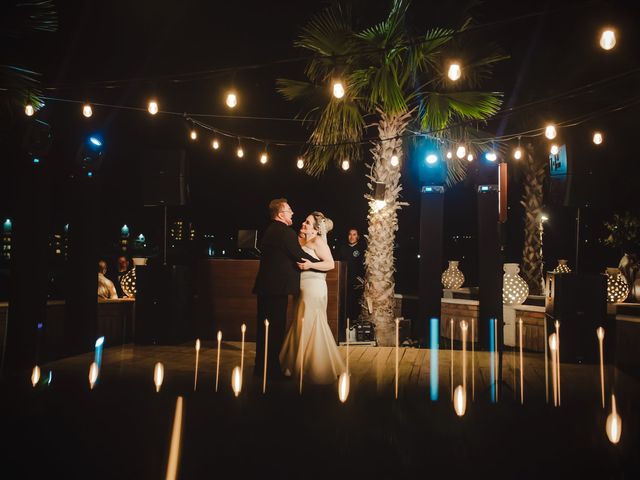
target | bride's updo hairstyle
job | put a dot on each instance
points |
(319, 220)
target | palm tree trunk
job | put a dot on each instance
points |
(379, 285)
(532, 202)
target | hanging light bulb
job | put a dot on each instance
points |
(597, 138)
(554, 149)
(608, 39)
(455, 72)
(240, 152)
(264, 158)
(87, 111)
(517, 154)
(215, 144)
(345, 165)
(152, 107)
(232, 100)
(300, 163)
(461, 151)
(193, 134)
(338, 89)
(449, 155)
(550, 132)
(395, 161)
(470, 157)
(29, 110)
(491, 156)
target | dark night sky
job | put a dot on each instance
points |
(150, 39)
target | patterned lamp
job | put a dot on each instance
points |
(514, 289)
(452, 277)
(562, 267)
(128, 283)
(617, 286)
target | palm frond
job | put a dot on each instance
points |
(441, 108)
(17, 20)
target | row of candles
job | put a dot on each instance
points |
(458, 394)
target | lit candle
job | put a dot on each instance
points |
(236, 380)
(93, 374)
(174, 449)
(521, 367)
(614, 423)
(464, 326)
(495, 354)
(554, 372)
(35, 375)
(600, 334)
(546, 365)
(347, 337)
(451, 345)
(266, 349)
(243, 329)
(218, 359)
(397, 352)
(343, 386)
(158, 375)
(195, 378)
(460, 400)
(473, 360)
(557, 325)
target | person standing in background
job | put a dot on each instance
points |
(353, 253)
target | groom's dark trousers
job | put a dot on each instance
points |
(278, 277)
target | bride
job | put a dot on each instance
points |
(309, 335)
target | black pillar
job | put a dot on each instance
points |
(430, 294)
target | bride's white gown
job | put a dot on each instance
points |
(321, 359)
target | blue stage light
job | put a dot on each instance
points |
(36, 160)
(434, 343)
(491, 156)
(89, 174)
(95, 141)
(432, 158)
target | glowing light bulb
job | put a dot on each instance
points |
(338, 89)
(35, 375)
(158, 375)
(232, 100)
(153, 107)
(93, 374)
(300, 163)
(460, 400)
(29, 110)
(379, 205)
(236, 381)
(455, 72)
(550, 132)
(395, 161)
(240, 152)
(461, 151)
(597, 138)
(215, 144)
(432, 158)
(517, 154)
(193, 134)
(449, 155)
(345, 165)
(264, 158)
(87, 111)
(470, 157)
(554, 149)
(491, 156)
(614, 423)
(608, 39)
(343, 387)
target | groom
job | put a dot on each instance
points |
(278, 277)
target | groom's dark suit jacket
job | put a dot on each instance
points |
(278, 273)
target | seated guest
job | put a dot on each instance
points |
(106, 288)
(123, 268)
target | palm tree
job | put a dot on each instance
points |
(393, 80)
(534, 175)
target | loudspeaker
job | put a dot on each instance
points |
(165, 178)
(163, 305)
(578, 303)
(430, 288)
(248, 239)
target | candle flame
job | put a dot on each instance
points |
(266, 322)
(158, 375)
(614, 423)
(464, 325)
(343, 387)
(553, 343)
(197, 345)
(236, 381)
(174, 448)
(93, 374)
(219, 335)
(460, 400)
(243, 328)
(35, 375)
(600, 333)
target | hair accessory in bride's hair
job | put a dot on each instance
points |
(322, 227)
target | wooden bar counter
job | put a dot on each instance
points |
(225, 301)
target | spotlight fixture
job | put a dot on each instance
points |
(379, 190)
(432, 159)
(395, 161)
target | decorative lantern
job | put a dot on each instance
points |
(617, 286)
(452, 277)
(128, 283)
(514, 289)
(562, 267)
